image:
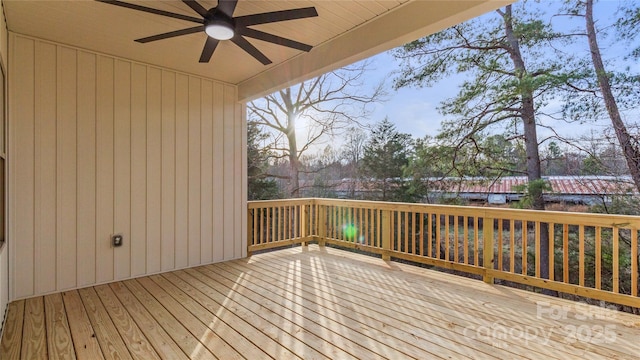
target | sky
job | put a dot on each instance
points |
(414, 110)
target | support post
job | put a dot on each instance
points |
(487, 248)
(386, 235)
(250, 237)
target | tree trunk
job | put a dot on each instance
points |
(631, 151)
(527, 113)
(293, 187)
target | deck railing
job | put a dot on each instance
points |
(590, 255)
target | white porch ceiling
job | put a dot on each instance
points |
(344, 32)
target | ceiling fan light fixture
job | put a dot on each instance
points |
(219, 28)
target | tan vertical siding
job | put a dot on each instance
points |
(154, 163)
(104, 168)
(206, 172)
(138, 170)
(104, 146)
(122, 167)
(66, 169)
(218, 168)
(86, 171)
(228, 171)
(182, 172)
(194, 171)
(21, 169)
(45, 177)
(168, 178)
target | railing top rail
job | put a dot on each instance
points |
(279, 202)
(572, 218)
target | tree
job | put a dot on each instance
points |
(630, 145)
(260, 186)
(554, 160)
(322, 107)
(439, 166)
(513, 71)
(386, 153)
(629, 26)
(352, 153)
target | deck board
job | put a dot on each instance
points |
(84, 339)
(34, 336)
(136, 342)
(158, 336)
(309, 303)
(59, 340)
(12, 333)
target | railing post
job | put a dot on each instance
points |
(250, 239)
(386, 235)
(302, 222)
(487, 248)
(322, 224)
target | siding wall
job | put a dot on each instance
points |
(100, 146)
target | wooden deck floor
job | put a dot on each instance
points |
(312, 303)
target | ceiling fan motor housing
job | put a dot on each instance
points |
(219, 25)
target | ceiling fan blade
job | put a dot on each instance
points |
(171, 34)
(152, 10)
(276, 16)
(227, 6)
(261, 35)
(246, 46)
(196, 7)
(209, 47)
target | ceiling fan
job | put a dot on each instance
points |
(219, 25)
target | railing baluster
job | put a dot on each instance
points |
(386, 234)
(525, 248)
(500, 233)
(598, 256)
(396, 243)
(616, 260)
(332, 219)
(367, 229)
(438, 235)
(476, 242)
(323, 223)
(301, 220)
(255, 225)
(487, 248)
(273, 224)
(421, 234)
(552, 252)
(250, 224)
(512, 246)
(413, 233)
(406, 232)
(634, 261)
(447, 237)
(538, 243)
(264, 218)
(581, 258)
(465, 233)
(430, 234)
(565, 253)
(456, 239)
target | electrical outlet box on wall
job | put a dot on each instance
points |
(117, 240)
